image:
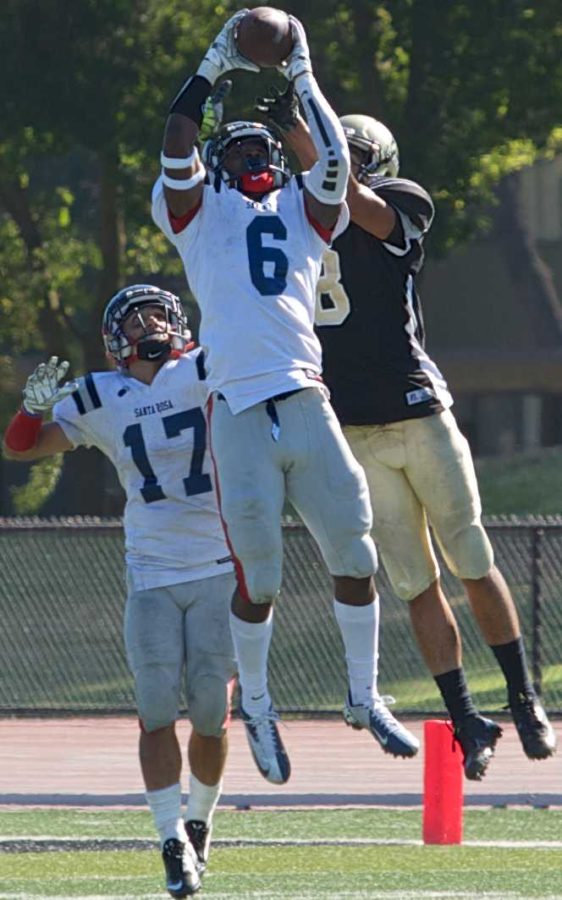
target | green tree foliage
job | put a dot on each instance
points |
(471, 88)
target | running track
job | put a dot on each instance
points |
(93, 762)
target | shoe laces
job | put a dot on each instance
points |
(383, 714)
(523, 700)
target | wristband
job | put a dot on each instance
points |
(183, 184)
(23, 431)
(173, 162)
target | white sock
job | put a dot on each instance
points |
(251, 646)
(202, 800)
(359, 626)
(165, 806)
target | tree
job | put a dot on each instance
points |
(471, 88)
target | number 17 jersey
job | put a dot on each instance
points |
(253, 266)
(155, 436)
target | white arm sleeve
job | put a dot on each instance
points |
(327, 180)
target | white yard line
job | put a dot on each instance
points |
(149, 843)
(306, 895)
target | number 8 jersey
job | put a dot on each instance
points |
(155, 436)
(253, 266)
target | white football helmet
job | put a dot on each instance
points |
(377, 143)
(131, 299)
(236, 133)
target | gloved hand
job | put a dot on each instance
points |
(223, 54)
(281, 108)
(43, 388)
(213, 110)
(298, 61)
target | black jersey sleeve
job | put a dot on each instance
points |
(406, 197)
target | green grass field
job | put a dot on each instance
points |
(522, 484)
(337, 853)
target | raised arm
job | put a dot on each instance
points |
(326, 182)
(366, 209)
(27, 437)
(182, 170)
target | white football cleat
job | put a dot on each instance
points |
(377, 718)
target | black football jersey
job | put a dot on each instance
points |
(369, 318)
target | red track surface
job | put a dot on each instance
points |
(94, 762)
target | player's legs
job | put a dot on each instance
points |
(399, 521)
(402, 533)
(454, 509)
(328, 488)
(155, 653)
(210, 672)
(251, 487)
(441, 469)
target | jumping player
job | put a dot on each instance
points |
(396, 409)
(251, 238)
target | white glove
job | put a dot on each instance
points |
(43, 389)
(223, 54)
(298, 61)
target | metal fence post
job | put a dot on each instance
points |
(536, 598)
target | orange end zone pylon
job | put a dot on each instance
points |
(442, 784)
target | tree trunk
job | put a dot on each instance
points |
(111, 243)
(53, 329)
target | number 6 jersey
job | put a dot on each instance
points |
(252, 266)
(155, 436)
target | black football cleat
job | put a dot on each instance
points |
(535, 731)
(199, 835)
(478, 738)
(182, 878)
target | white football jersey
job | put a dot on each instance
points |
(253, 267)
(155, 436)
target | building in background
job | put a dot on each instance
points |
(493, 312)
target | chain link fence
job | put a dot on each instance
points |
(61, 604)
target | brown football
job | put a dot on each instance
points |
(264, 36)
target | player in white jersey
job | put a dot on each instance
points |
(395, 408)
(147, 417)
(251, 238)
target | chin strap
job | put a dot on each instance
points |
(260, 183)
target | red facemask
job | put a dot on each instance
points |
(259, 183)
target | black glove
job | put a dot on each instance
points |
(280, 108)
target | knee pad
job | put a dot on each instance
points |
(207, 705)
(262, 580)
(357, 558)
(468, 552)
(157, 694)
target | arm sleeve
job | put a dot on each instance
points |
(327, 180)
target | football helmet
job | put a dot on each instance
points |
(275, 167)
(376, 142)
(153, 347)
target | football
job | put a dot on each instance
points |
(264, 36)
